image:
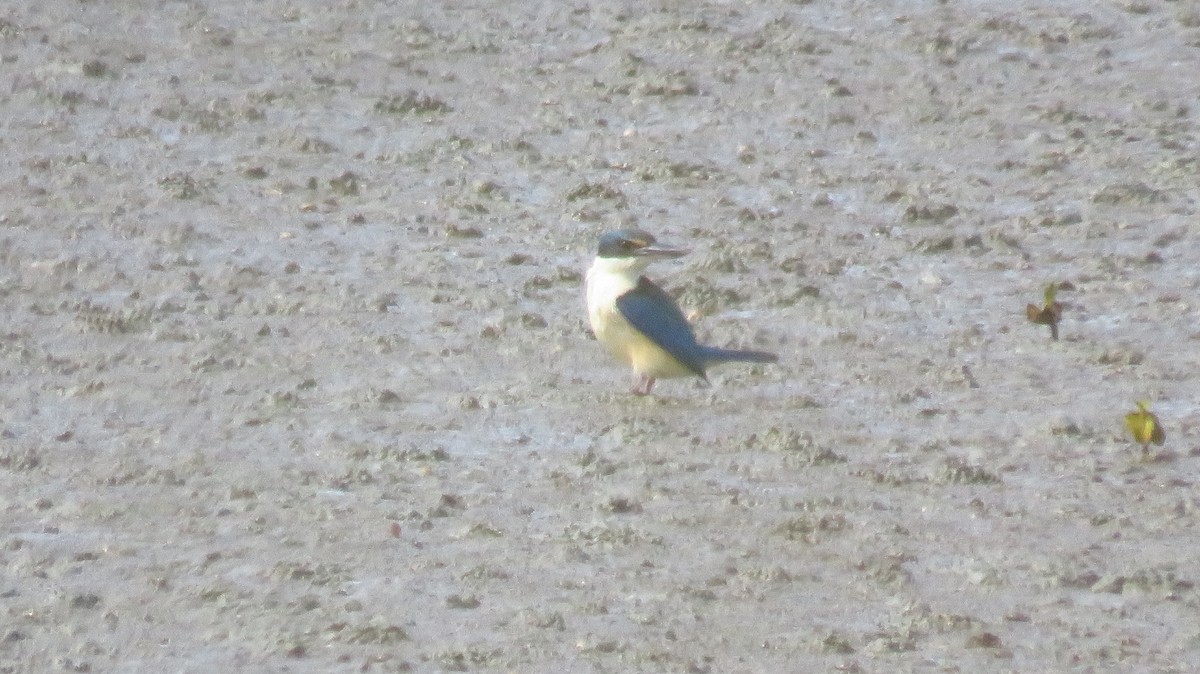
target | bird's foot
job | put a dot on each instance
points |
(642, 385)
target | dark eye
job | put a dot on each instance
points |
(626, 244)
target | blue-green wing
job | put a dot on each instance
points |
(655, 314)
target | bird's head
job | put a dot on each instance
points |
(635, 248)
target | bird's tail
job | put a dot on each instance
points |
(714, 355)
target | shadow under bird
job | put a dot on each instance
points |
(639, 323)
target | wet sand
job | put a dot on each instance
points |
(298, 376)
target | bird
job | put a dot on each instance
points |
(639, 323)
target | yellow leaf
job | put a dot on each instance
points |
(1144, 426)
(1050, 314)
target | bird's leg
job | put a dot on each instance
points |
(642, 385)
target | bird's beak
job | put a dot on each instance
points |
(659, 250)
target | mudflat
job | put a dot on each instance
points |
(297, 374)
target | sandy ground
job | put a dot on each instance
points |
(297, 375)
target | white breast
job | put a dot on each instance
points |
(607, 280)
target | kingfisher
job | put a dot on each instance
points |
(639, 323)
